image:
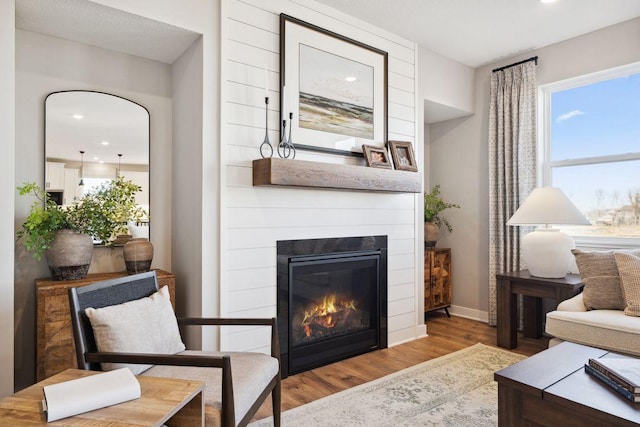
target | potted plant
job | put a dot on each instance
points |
(49, 230)
(105, 211)
(433, 221)
(113, 206)
(65, 234)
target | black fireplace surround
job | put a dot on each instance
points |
(332, 300)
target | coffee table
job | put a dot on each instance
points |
(176, 402)
(551, 388)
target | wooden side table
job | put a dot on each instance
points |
(533, 289)
(437, 279)
(55, 350)
(163, 400)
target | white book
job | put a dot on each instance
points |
(86, 394)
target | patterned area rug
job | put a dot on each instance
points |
(455, 390)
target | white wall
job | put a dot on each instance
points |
(46, 64)
(198, 280)
(186, 182)
(7, 191)
(254, 218)
(446, 86)
(459, 152)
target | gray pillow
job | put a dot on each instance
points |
(147, 325)
(599, 273)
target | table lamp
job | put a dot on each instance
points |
(547, 251)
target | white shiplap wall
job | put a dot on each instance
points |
(254, 218)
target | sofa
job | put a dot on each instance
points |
(607, 313)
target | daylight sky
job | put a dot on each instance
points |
(595, 120)
(334, 77)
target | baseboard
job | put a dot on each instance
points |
(469, 313)
(420, 331)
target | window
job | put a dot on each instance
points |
(92, 184)
(591, 151)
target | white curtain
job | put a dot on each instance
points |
(512, 165)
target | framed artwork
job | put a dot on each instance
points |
(335, 87)
(376, 157)
(403, 157)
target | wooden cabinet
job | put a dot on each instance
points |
(437, 279)
(55, 350)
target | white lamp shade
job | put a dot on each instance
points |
(547, 205)
(547, 251)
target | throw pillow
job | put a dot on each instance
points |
(629, 268)
(147, 325)
(599, 273)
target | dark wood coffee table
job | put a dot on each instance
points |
(552, 389)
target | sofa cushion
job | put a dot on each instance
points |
(607, 329)
(575, 303)
(147, 325)
(599, 272)
(251, 373)
(629, 268)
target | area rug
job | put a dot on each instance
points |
(455, 390)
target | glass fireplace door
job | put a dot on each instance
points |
(334, 307)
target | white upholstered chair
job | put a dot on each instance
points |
(131, 307)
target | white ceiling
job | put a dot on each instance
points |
(472, 32)
(97, 25)
(121, 124)
(478, 32)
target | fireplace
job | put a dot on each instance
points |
(332, 300)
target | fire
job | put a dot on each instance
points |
(327, 314)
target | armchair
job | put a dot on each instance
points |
(236, 383)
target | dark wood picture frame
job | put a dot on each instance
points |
(296, 34)
(403, 156)
(376, 157)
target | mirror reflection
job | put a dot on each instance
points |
(93, 137)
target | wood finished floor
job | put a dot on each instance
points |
(446, 335)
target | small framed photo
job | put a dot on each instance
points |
(403, 157)
(376, 156)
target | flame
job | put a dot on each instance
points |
(321, 314)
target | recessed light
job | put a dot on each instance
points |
(350, 79)
(105, 143)
(78, 116)
(96, 158)
(547, 1)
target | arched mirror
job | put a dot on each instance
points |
(91, 137)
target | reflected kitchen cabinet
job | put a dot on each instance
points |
(54, 176)
(71, 188)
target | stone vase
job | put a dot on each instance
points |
(138, 254)
(431, 234)
(69, 256)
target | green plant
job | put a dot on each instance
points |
(434, 205)
(102, 213)
(43, 222)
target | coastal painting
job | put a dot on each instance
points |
(333, 90)
(336, 94)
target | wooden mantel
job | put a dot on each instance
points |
(302, 173)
